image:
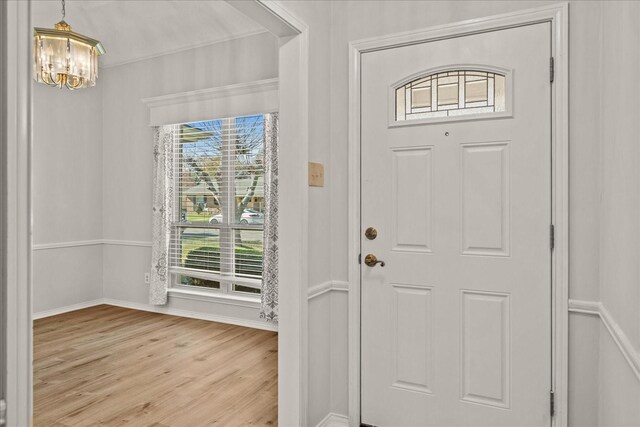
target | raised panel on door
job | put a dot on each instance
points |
(411, 180)
(412, 362)
(485, 199)
(486, 348)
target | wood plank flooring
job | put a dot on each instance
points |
(111, 366)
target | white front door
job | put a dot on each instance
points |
(456, 179)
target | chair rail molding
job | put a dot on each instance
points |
(78, 243)
(328, 286)
(596, 308)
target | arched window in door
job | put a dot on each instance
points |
(451, 93)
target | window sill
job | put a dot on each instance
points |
(217, 297)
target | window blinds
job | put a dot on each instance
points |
(217, 233)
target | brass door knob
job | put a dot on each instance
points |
(371, 260)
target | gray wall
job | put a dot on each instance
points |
(128, 145)
(620, 209)
(115, 147)
(67, 196)
(590, 353)
(92, 162)
(3, 200)
(358, 20)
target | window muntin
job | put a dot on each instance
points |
(451, 93)
(217, 241)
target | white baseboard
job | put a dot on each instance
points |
(334, 420)
(256, 324)
(68, 308)
(596, 308)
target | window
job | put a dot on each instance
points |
(451, 93)
(219, 196)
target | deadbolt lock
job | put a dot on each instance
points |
(371, 233)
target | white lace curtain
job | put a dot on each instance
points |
(163, 216)
(269, 306)
(162, 212)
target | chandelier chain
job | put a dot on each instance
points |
(63, 10)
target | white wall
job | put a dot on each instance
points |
(128, 146)
(620, 210)
(67, 196)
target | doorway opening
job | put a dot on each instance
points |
(116, 172)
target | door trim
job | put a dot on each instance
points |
(558, 16)
(16, 81)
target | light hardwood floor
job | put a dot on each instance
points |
(113, 366)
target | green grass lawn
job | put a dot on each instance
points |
(195, 217)
(202, 252)
(213, 245)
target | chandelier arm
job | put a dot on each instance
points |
(73, 86)
(47, 79)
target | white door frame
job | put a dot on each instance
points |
(293, 78)
(294, 136)
(294, 211)
(16, 76)
(558, 16)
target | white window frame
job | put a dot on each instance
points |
(236, 100)
(227, 280)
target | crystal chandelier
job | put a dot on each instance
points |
(63, 58)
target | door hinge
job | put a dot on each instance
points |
(552, 236)
(3, 412)
(359, 258)
(552, 70)
(552, 403)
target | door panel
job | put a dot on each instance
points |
(456, 325)
(411, 179)
(485, 199)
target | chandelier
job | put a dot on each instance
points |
(63, 58)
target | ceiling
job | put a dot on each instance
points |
(131, 30)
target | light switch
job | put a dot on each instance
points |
(316, 174)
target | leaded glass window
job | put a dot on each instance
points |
(451, 93)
